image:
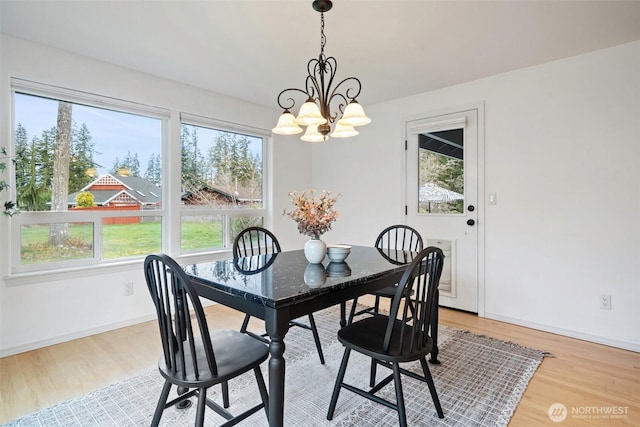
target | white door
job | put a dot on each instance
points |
(442, 198)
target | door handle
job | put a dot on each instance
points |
(470, 222)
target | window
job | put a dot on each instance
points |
(441, 172)
(88, 178)
(222, 183)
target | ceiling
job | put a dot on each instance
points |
(252, 49)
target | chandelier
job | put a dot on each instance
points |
(316, 113)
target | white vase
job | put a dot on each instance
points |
(315, 250)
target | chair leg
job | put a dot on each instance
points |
(352, 313)
(245, 323)
(161, 402)
(402, 415)
(202, 402)
(225, 394)
(316, 337)
(376, 305)
(432, 387)
(338, 386)
(372, 375)
(263, 389)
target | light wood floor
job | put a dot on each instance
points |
(581, 375)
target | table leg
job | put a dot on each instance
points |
(277, 326)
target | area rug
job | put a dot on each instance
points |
(480, 382)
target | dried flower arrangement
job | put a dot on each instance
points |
(314, 214)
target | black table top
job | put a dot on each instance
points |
(282, 279)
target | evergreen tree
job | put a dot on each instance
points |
(116, 166)
(31, 195)
(82, 152)
(191, 162)
(233, 162)
(131, 163)
(154, 170)
(235, 167)
(44, 158)
(22, 162)
(220, 157)
(34, 171)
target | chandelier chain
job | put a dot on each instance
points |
(323, 39)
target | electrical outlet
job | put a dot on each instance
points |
(128, 288)
(605, 302)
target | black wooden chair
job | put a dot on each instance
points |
(190, 361)
(392, 243)
(399, 338)
(254, 241)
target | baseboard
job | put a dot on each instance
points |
(625, 345)
(79, 334)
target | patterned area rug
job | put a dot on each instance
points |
(479, 382)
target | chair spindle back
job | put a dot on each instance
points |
(410, 332)
(178, 307)
(393, 242)
(255, 241)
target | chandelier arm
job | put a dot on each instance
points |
(314, 67)
(292, 104)
(341, 105)
(330, 67)
(356, 87)
(346, 97)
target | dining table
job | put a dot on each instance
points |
(280, 287)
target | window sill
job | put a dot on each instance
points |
(52, 275)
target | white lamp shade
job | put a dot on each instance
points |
(312, 135)
(343, 131)
(287, 125)
(310, 114)
(354, 115)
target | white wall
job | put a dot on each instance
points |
(562, 152)
(292, 173)
(562, 147)
(51, 309)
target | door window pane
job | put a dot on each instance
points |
(441, 172)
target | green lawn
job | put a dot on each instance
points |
(119, 240)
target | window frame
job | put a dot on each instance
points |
(169, 214)
(26, 87)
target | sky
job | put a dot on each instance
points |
(113, 133)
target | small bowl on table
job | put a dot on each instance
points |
(338, 253)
